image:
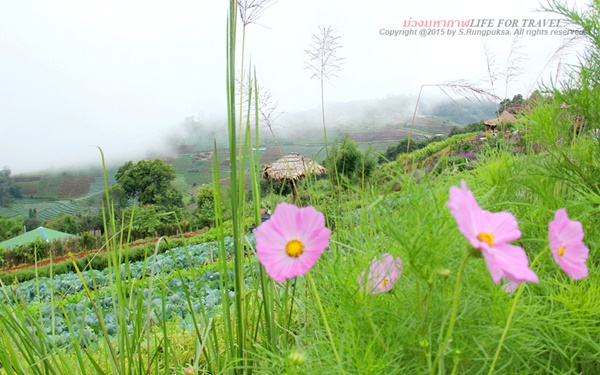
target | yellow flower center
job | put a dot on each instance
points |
(385, 282)
(561, 251)
(486, 237)
(294, 248)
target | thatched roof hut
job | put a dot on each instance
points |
(506, 118)
(292, 167)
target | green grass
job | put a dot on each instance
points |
(390, 333)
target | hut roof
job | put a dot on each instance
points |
(505, 117)
(292, 166)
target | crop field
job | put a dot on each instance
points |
(71, 186)
(45, 208)
(196, 168)
(201, 285)
(97, 186)
(64, 207)
(49, 186)
(75, 186)
(52, 195)
(182, 163)
(29, 187)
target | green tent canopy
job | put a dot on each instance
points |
(33, 235)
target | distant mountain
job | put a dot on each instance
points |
(376, 123)
(463, 111)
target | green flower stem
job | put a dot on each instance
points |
(510, 317)
(452, 316)
(419, 302)
(330, 336)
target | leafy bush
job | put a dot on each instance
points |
(347, 165)
(431, 149)
(10, 228)
(470, 128)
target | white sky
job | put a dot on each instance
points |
(121, 74)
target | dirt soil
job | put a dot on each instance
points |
(80, 255)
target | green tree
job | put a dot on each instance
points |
(146, 220)
(399, 148)
(153, 221)
(205, 211)
(8, 189)
(270, 186)
(368, 163)
(65, 223)
(149, 182)
(464, 111)
(470, 128)
(118, 198)
(347, 164)
(32, 222)
(10, 228)
(171, 199)
(90, 220)
(508, 104)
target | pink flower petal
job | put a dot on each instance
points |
(503, 225)
(565, 238)
(290, 223)
(286, 220)
(514, 263)
(490, 233)
(465, 210)
(382, 274)
(510, 286)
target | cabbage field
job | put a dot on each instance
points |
(186, 273)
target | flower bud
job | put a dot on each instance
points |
(296, 358)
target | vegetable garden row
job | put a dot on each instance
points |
(169, 285)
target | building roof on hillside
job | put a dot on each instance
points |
(292, 167)
(33, 235)
(505, 117)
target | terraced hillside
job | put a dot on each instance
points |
(46, 209)
(56, 186)
(52, 194)
(67, 192)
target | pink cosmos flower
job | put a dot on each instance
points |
(490, 233)
(566, 245)
(291, 241)
(382, 274)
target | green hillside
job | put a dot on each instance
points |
(52, 194)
